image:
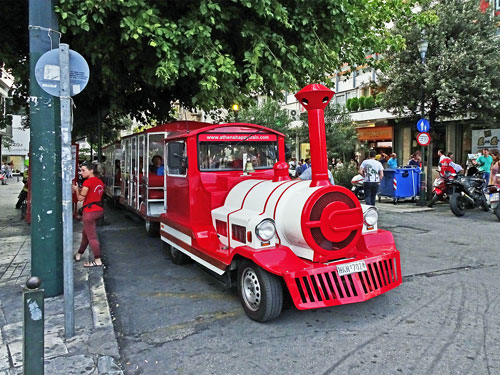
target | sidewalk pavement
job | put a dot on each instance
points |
(93, 349)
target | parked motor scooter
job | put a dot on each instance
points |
(357, 186)
(442, 189)
(468, 192)
(492, 194)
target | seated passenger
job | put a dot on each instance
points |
(157, 166)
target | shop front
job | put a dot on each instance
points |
(379, 138)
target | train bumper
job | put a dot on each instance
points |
(323, 286)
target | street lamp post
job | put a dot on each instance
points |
(422, 48)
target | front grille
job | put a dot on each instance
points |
(380, 274)
(221, 227)
(328, 288)
(239, 233)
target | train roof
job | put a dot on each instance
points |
(176, 126)
(235, 127)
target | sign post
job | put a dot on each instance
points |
(64, 73)
(423, 139)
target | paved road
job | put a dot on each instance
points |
(443, 319)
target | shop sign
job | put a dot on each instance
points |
(376, 133)
(485, 138)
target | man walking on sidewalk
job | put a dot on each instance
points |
(373, 172)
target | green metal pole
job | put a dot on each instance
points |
(46, 190)
(33, 328)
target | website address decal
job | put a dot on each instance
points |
(237, 137)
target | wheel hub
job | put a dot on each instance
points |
(250, 287)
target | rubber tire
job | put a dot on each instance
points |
(455, 205)
(178, 257)
(271, 292)
(360, 194)
(497, 211)
(152, 228)
(433, 200)
(379, 199)
(484, 205)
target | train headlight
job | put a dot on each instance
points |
(371, 216)
(265, 230)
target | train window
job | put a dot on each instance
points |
(176, 158)
(214, 156)
(155, 148)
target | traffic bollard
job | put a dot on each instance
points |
(33, 328)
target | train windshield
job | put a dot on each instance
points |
(228, 155)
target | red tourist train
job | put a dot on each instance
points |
(230, 205)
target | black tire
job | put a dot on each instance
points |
(458, 204)
(260, 292)
(152, 228)
(433, 200)
(484, 205)
(178, 257)
(360, 193)
(379, 199)
(497, 211)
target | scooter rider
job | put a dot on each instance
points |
(447, 166)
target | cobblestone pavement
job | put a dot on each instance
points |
(93, 349)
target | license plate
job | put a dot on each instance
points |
(494, 197)
(348, 268)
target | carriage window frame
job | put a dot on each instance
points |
(168, 165)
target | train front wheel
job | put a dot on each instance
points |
(260, 292)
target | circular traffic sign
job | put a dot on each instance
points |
(423, 125)
(48, 72)
(423, 139)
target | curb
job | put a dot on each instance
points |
(108, 353)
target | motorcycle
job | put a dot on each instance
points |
(468, 193)
(357, 186)
(492, 195)
(442, 189)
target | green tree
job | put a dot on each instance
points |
(268, 112)
(145, 55)
(341, 134)
(362, 102)
(354, 104)
(461, 75)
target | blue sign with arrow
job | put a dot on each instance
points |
(423, 125)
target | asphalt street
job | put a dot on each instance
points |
(443, 319)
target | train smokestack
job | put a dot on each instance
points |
(315, 98)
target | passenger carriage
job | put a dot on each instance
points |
(142, 189)
(232, 207)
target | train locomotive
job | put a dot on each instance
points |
(232, 207)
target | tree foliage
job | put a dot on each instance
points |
(267, 113)
(460, 76)
(341, 134)
(144, 55)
